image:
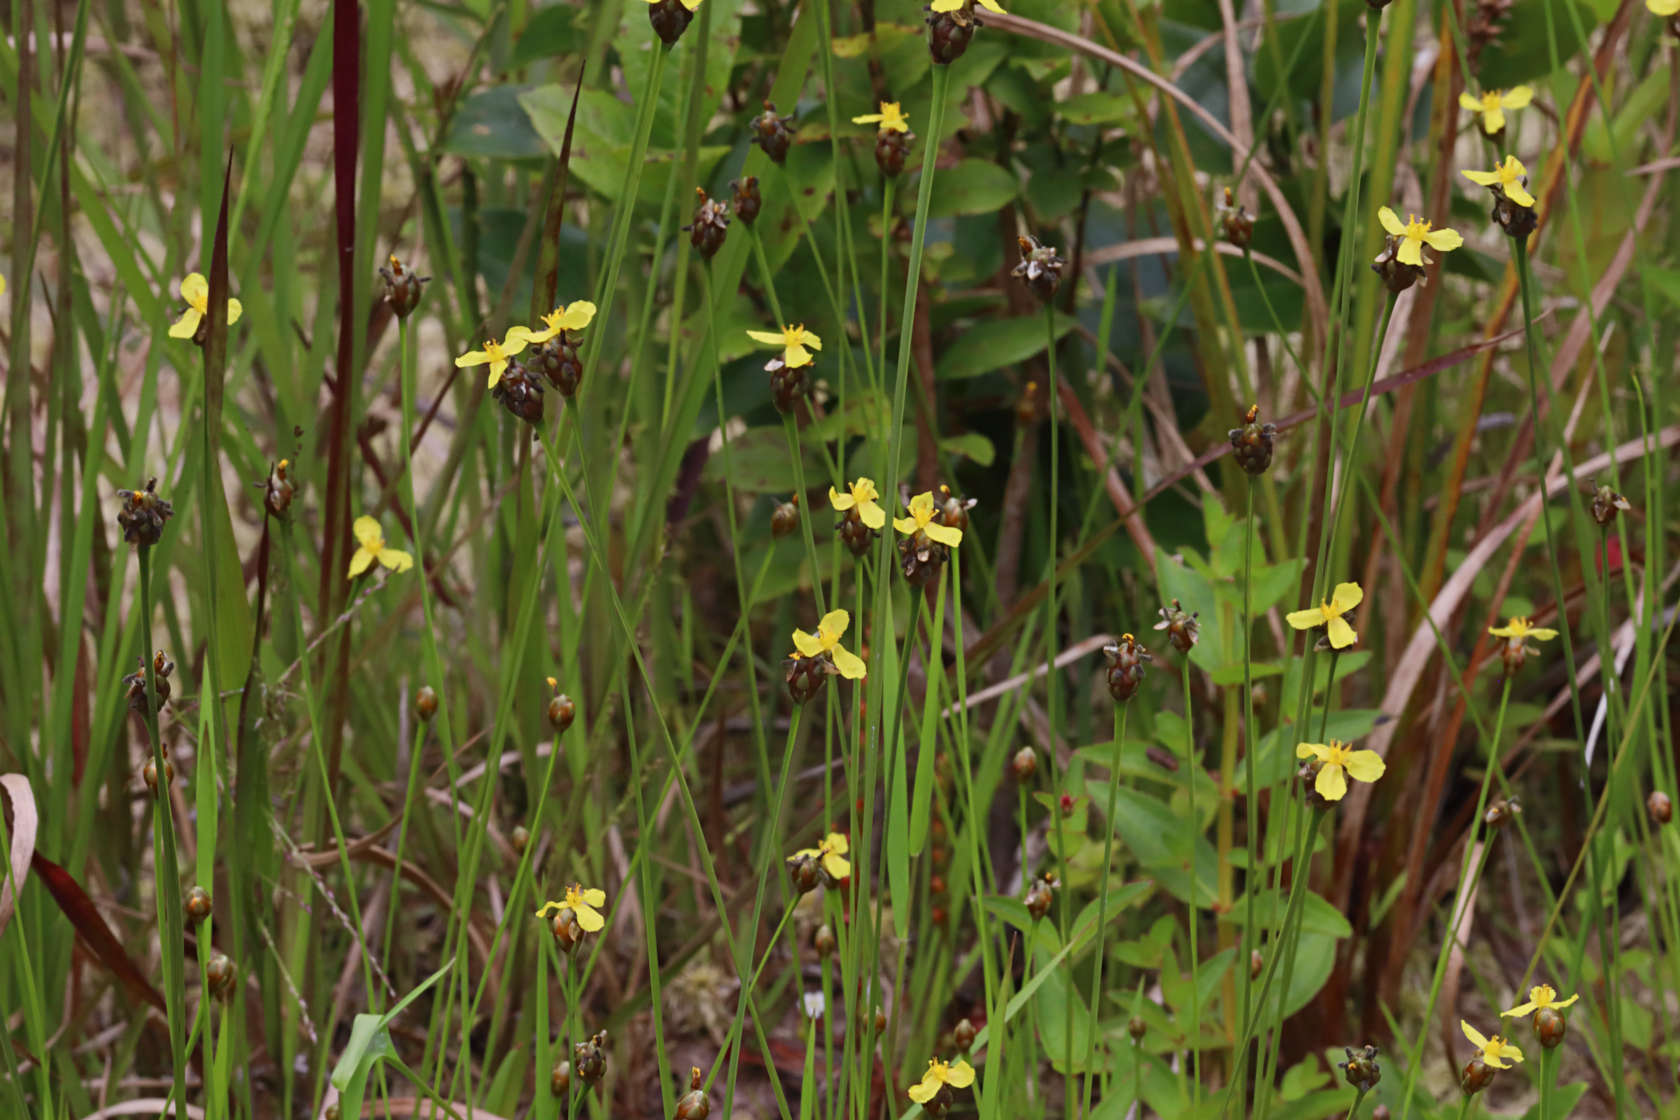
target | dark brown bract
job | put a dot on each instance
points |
(773, 133)
(143, 515)
(1040, 267)
(403, 287)
(1252, 444)
(1126, 660)
(710, 226)
(520, 393)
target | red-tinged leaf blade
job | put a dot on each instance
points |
(91, 928)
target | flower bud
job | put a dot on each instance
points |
(1550, 1027)
(745, 200)
(1251, 444)
(880, 1021)
(278, 491)
(1476, 1076)
(402, 287)
(426, 702)
(1137, 1028)
(788, 384)
(197, 904)
(771, 132)
(520, 838)
(1040, 267)
(1517, 221)
(949, 33)
(1499, 814)
(1396, 275)
(823, 941)
(1256, 964)
(1660, 807)
(1040, 895)
(1361, 1068)
(560, 1078)
(1024, 765)
(784, 519)
(670, 18)
(805, 676)
(854, 534)
(1235, 222)
(589, 1058)
(806, 873)
(963, 1034)
(1126, 659)
(150, 775)
(1182, 628)
(559, 361)
(953, 511)
(220, 975)
(710, 226)
(1381, 1113)
(520, 392)
(1605, 505)
(143, 514)
(694, 1104)
(892, 147)
(566, 929)
(561, 712)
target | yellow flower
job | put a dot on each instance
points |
(1341, 763)
(1494, 1050)
(496, 354)
(584, 903)
(827, 640)
(1414, 234)
(924, 518)
(958, 1074)
(573, 317)
(1520, 628)
(953, 5)
(1508, 177)
(1329, 615)
(1493, 103)
(1664, 8)
(796, 343)
(372, 547)
(1541, 997)
(832, 854)
(891, 118)
(863, 495)
(691, 5)
(195, 289)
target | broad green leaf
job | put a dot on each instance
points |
(974, 186)
(995, 343)
(1522, 51)
(1096, 108)
(493, 124)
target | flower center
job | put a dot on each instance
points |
(1416, 228)
(494, 350)
(1330, 609)
(1337, 755)
(1491, 99)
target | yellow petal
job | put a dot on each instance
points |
(1482, 178)
(1663, 7)
(579, 314)
(589, 918)
(905, 525)
(1516, 97)
(1445, 240)
(471, 358)
(993, 6)
(836, 842)
(946, 5)
(1365, 766)
(867, 118)
(1411, 252)
(1493, 120)
(1542, 633)
(1465, 101)
(1305, 620)
(795, 356)
(807, 644)
(1347, 596)
(851, 666)
(1517, 193)
(187, 325)
(837, 866)
(548, 906)
(806, 853)
(514, 342)
(359, 563)
(1508, 630)
(961, 1074)
(195, 289)
(1522, 1008)
(1331, 783)
(497, 368)
(769, 338)
(1311, 750)
(396, 559)
(1477, 1039)
(810, 339)
(943, 533)
(235, 310)
(839, 501)
(1390, 221)
(923, 1091)
(1566, 1002)
(873, 515)
(594, 896)
(835, 623)
(535, 338)
(368, 532)
(1340, 633)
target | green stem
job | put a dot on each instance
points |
(1192, 769)
(1100, 941)
(1250, 757)
(1548, 1079)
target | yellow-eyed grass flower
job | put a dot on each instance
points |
(496, 355)
(933, 1091)
(694, 1104)
(1491, 1054)
(826, 643)
(1513, 206)
(796, 343)
(1252, 444)
(371, 547)
(1401, 262)
(826, 862)
(1517, 650)
(1547, 1009)
(928, 540)
(892, 137)
(556, 345)
(1328, 614)
(195, 291)
(861, 515)
(670, 18)
(1493, 103)
(951, 24)
(576, 914)
(142, 514)
(1337, 762)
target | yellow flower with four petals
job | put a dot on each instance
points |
(831, 853)
(195, 289)
(925, 518)
(827, 640)
(891, 118)
(573, 317)
(862, 496)
(1493, 103)
(1494, 1050)
(1329, 615)
(1508, 177)
(495, 354)
(371, 546)
(1340, 762)
(585, 902)
(796, 343)
(958, 1075)
(1414, 234)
